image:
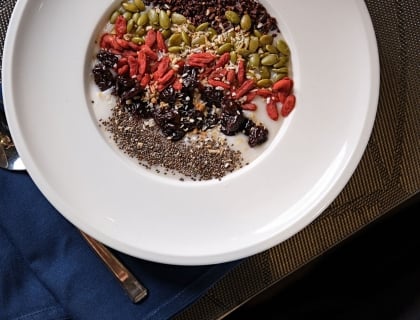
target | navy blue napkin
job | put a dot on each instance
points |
(47, 271)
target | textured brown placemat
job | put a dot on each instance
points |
(388, 174)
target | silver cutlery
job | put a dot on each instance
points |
(10, 160)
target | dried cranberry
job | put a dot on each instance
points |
(257, 135)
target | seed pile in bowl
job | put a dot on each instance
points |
(186, 78)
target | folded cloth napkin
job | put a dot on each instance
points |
(47, 271)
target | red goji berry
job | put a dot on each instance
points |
(161, 42)
(249, 106)
(244, 88)
(231, 76)
(241, 72)
(224, 58)
(145, 80)
(288, 105)
(149, 52)
(272, 111)
(150, 38)
(133, 65)
(123, 70)
(177, 85)
(166, 77)
(141, 59)
(250, 96)
(121, 26)
(218, 83)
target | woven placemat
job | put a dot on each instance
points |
(388, 174)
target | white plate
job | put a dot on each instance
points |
(317, 149)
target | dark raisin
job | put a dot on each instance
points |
(257, 135)
(123, 84)
(189, 78)
(232, 123)
(191, 119)
(211, 96)
(169, 121)
(140, 108)
(168, 95)
(107, 58)
(248, 125)
(134, 92)
(103, 77)
(210, 121)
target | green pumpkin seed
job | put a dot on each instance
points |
(266, 39)
(232, 17)
(283, 47)
(233, 57)
(143, 19)
(191, 27)
(136, 16)
(226, 47)
(212, 32)
(130, 7)
(254, 60)
(127, 15)
(178, 18)
(257, 33)
(114, 17)
(251, 75)
(175, 49)
(253, 44)
(265, 72)
(140, 31)
(175, 39)
(130, 25)
(167, 33)
(137, 40)
(199, 41)
(243, 52)
(278, 76)
(140, 4)
(186, 38)
(282, 62)
(246, 22)
(269, 60)
(164, 20)
(264, 83)
(270, 48)
(202, 27)
(153, 17)
(281, 70)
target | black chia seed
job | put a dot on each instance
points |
(201, 158)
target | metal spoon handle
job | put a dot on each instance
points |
(135, 290)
